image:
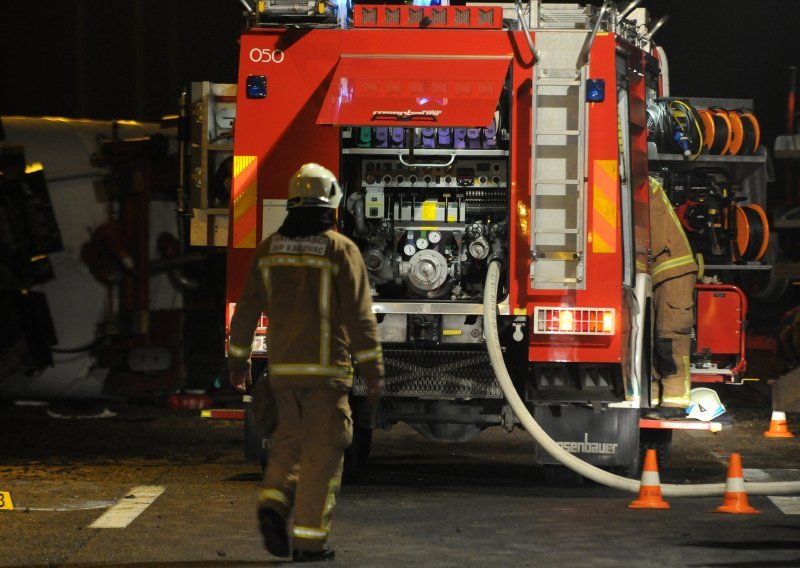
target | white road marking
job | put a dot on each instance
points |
(128, 508)
(771, 474)
(81, 506)
(788, 504)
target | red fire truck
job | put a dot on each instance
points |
(463, 136)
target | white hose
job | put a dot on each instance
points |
(662, 59)
(569, 460)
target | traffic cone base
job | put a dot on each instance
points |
(777, 426)
(737, 504)
(735, 500)
(650, 488)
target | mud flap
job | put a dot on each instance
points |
(608, 439)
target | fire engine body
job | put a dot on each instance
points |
(456, 145)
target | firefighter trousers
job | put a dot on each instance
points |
(304, 471)
(674, 317)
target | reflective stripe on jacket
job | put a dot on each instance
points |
(316, 295)
(670, 252)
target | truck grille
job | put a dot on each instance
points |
(436, 374)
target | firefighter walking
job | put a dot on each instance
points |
(312, 284)
(674, 274)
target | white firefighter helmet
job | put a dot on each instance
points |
(705, 405)
(314, 186)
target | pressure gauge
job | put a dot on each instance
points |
(409, 249)
(434, 236)
(422, 243)
(225, 116)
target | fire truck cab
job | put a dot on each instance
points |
(464, 136)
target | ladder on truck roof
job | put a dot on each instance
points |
(558, 148)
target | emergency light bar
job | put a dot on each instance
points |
(574, 321)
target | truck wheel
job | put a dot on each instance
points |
(255, 444)
(660, 441)
(561, 475)
(355, 457)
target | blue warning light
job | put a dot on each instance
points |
(256, 87)
(595, 90)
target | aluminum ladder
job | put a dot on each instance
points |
(557, 241)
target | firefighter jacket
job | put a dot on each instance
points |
(315, 293)
(670, 252)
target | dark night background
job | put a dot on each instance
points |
(115, 59)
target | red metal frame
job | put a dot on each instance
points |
(223, 413)
(741, 364)
(677, 425)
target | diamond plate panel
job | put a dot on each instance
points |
(437, 374)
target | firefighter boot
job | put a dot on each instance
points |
(273, 530)
(313, 555)
(666, 413)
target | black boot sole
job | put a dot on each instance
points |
(313, 556)
(273, 530)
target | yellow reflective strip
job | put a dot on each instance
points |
(327, 268)
(605, 187)
(274, 495)
(240, 163)
(245, 201)
(641, 266)
(244, 197)
(368, 355)
(240, 352)
(681, 401)
(330, 503)
(295, 260)
(599, 245)
(605, 198)
(324, 320)
(322, 370)
(687, 378)
(310, 533)
(674, 263)
(265, 279)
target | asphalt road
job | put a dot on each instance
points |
(482, 503)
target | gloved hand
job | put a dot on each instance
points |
(375, 387)
(240, 380)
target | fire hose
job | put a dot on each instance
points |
(569, 460)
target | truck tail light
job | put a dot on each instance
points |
(566, 320)
(574, 321)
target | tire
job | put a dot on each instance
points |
(660, 441)
(255, 444)
(561, 475)
(355, 457)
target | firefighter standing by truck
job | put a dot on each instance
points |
(674, 274)
(313, 285)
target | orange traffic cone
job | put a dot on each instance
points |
(650, 488)
(735, 500)
(777, 426)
